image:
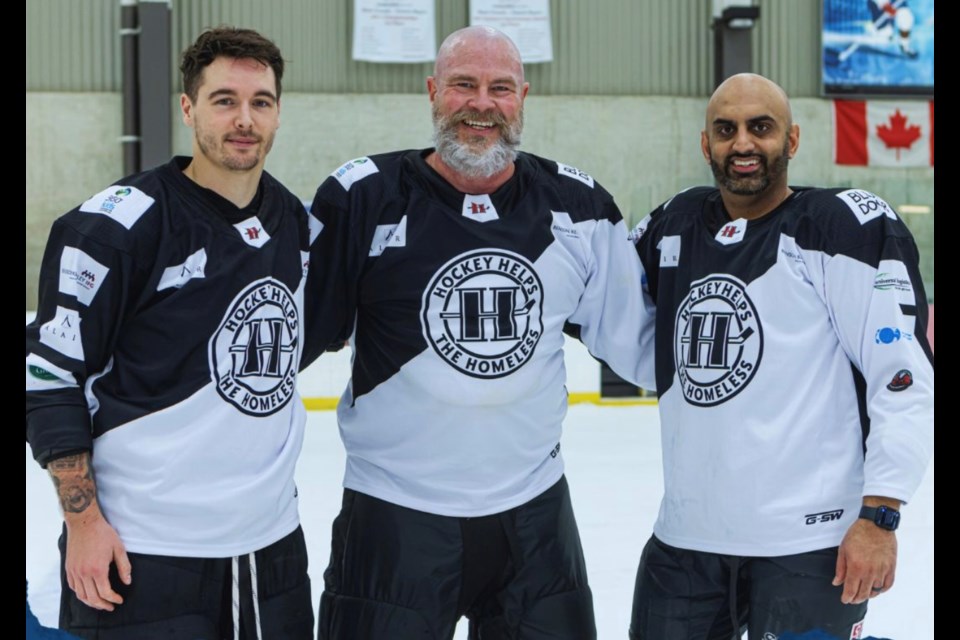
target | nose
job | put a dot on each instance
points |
(743, 142)
(244, 121)
(481, 100)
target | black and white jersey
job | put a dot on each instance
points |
(457, 304)
(167, 339)
(792, 364)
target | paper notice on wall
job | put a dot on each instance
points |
(526, 22)
(394, 31)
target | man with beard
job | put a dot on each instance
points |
(461, 266)
(796, 390)
(161, 371)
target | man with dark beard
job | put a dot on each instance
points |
(796, 390)
(461, 266)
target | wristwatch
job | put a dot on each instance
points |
(884, 517)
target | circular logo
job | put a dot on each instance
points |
(482, 312)
(718, 341)
(254, 353)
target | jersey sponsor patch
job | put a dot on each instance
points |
(479, 208)
(179, 274)
(354, 170)
(901, 380)
(481, 312)
(80, 275)
(119, 203)
(62, 333)
(255, 351)
(576, 174)
(563, 226)
(389, 235)
(718, 341)
(669, 247)
(865, 205)
(889, 335)
(892, 276)
(252, 232)
(43, 375)
(732, 232)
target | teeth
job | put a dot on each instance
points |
(481, 125)
(745, 163)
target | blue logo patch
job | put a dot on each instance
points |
(889, 335)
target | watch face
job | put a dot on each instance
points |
(888, 518)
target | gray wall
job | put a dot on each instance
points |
(642, 149)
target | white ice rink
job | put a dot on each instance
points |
(613, 466)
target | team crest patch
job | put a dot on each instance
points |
(255, 351)
(479, 208)
(865, 205)
(252, 232)
(122, 204)
(732, 232)
(482, 312)
(718, 341)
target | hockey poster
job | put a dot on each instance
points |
(877, 47)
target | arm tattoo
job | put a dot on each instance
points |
(73, 481)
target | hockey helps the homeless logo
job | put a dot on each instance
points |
(718, 341)
(254, 353)
(482, 312)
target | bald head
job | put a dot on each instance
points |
(753, 91)
(466, 43)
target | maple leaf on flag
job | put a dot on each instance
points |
(898, 135)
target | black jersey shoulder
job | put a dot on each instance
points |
(587, 198)
(851, 222)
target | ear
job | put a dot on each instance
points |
(186, 109)
(523, 91)
(794, 140)
(705, 146)
(432, 88)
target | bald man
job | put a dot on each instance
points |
(461, 264)
(796, 390)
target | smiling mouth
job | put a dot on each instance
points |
(745, 165)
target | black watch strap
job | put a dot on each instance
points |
(884, 517)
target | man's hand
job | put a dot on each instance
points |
(91, 547)
(867, 559)
(92, 544)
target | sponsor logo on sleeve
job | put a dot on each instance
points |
(119, 203)
(179, 274)
(718, 340)
(482, 312)
(563, 225)
(669, 247)
(80, 275)
(252, 232)
(254, 353)
(889, 335)
(732, 232)
(43, 375)
(856, 633)
(892, 276)
(865, 205)
(576, 174)
(62, 333)
(901, 380)
(354, 170)
(479, 208)
(823, 516)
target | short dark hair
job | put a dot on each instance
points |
(229, 42)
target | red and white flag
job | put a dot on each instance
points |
(883, 134)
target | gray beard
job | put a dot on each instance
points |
(473, 164)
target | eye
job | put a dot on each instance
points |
(762, 127)
(224, 101)
(263, 103)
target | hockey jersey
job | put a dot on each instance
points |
(793, 368)
(457, 304)
(168, 338)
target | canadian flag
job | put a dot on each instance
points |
(883, 134)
